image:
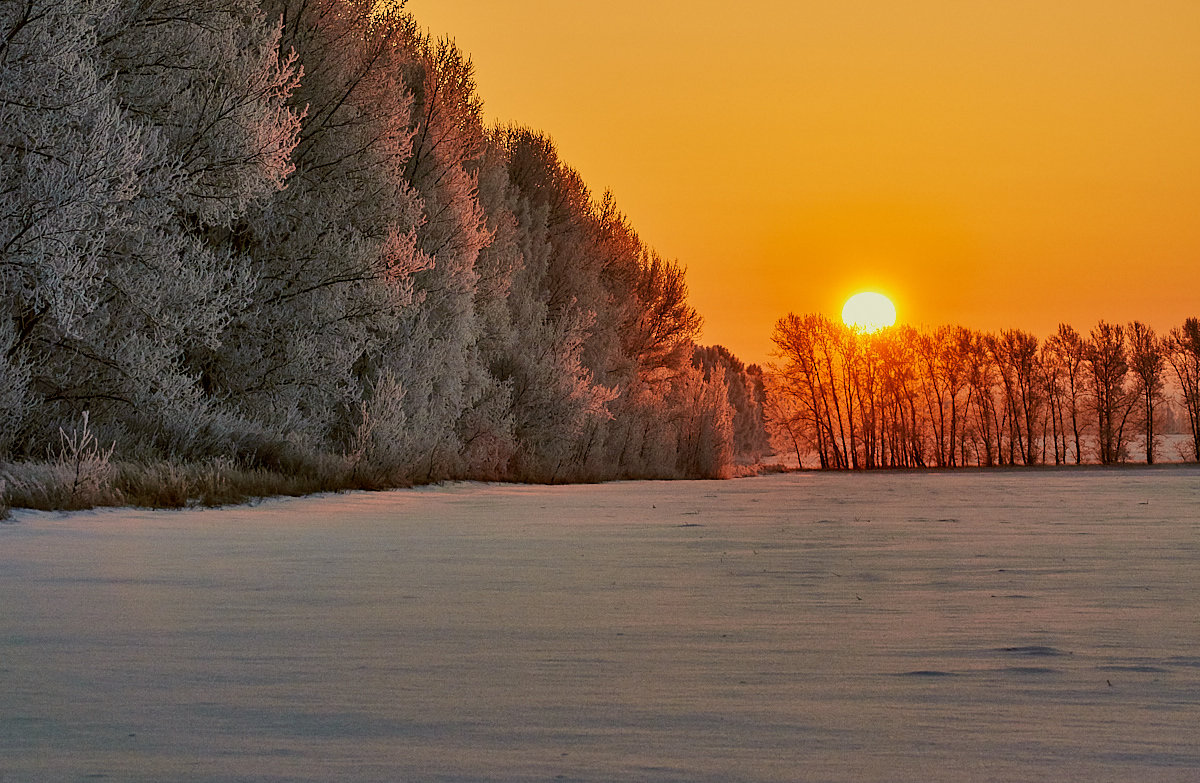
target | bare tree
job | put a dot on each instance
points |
(1146, 361)
(785, 420)
(983, 378)
(1067, 351)
(933, 371)
(1112, 403)
(1016, 356)
(1052, 378)
(1183, 353)
(800, 377)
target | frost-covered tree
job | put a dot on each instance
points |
(14, 389)
(68, 170)
(593, 299)
(144, 127)
(704, 423)
(278, 231)
(646, 351)
(785, 419)
(534, 344)
(450, 400)
(211, 80)
(208, 82)
(334, 253)
(660, 338)
(746, 396)
(487, 429)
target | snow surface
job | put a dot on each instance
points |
(870, 627)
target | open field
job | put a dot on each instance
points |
(815, 626)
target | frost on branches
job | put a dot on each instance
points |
(279, 233)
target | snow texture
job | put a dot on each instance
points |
(1016, 626)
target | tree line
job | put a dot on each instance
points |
(280, 233)
(951, 396)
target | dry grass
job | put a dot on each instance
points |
(54, 486)
(83, 475)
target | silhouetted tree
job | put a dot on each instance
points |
(1016, 356)
(903, 434)
(807, 354)
(1066, 352)
(1108, 365)
(988, 422)
(1183, 353)
(1146, 363)
(947, 393)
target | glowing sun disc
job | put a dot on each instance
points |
(869, 312)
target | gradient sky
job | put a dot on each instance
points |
(995, 164)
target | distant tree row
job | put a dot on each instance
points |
(906, 397)
(279, 232)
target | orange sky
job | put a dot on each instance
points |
(994, 164)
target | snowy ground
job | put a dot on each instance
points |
(873, 627)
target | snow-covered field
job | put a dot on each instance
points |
(1002, 626)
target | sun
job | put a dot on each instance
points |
(869, 312)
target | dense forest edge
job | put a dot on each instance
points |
(253, 248)
(271, 248)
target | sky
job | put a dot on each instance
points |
(1002, 164)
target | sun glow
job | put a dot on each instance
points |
(869, 312)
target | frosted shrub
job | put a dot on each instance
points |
(78, 475)
(82, 460)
